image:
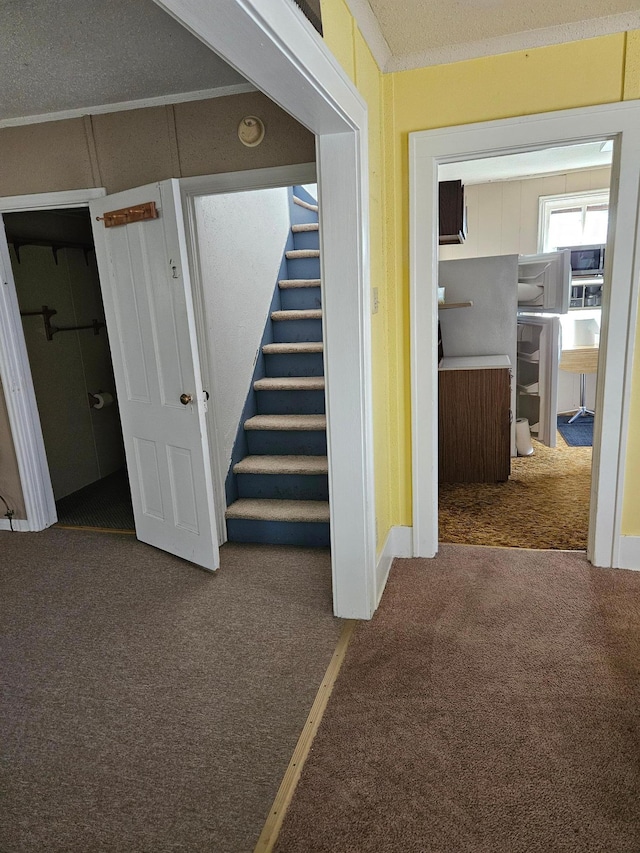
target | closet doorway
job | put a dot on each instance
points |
(58, 289)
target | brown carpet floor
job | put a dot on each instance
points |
(544, 504)
(146, 705)
(491, 706)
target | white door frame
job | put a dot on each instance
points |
(276, 49)
(15, 371)
(273, 45)
(428, 149)
(191, 189)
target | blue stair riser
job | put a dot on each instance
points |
(300, 215)
(286, 487)
(304, 534)
(306, 240)
(290, 402)
(294, 364)
(300, 297)
(268, 442)
(295, 331)
(303, 267)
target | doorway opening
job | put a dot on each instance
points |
(256, 266)
(58, 290)
(533, 221)
(430, 149)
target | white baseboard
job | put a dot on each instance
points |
(399, 543)
(20, 525)
(629, 553)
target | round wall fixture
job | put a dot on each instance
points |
(251, 131)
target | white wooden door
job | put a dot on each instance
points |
(145, 284)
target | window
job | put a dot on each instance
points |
(577, 219)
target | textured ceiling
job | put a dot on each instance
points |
(59, 55)
(421, 33)
(547, 161)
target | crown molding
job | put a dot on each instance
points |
(576, 31)
(371, 32)
(143, 103)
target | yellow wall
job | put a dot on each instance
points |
(594, 71)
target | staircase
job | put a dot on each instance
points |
(281, 484)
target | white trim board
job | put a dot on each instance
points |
(140, 104)
(399, 543)
(629, 553)
(371, 32)
(427, 149)
(20, 525)
(50, 201)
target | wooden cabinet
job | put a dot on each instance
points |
(452, 212)
(474, 424)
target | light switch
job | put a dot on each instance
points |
(374, 301)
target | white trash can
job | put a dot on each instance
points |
(523, 437)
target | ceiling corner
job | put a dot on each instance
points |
(371, 32)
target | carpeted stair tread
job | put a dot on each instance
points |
(278, 510)
(296, 348)
(290, 383)
(285, 283)
(298, 314)
(305, 226)
(282, 465)
(305, 204)
(302, 253)
(287, 422)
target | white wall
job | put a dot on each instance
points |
(502, 216)
(241, 241)
(502, 219)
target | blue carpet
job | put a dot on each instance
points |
(579, 433)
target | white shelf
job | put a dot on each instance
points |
(443, 305)
(531, 357)
(475, 362)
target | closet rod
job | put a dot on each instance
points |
(96, 325)
(47, 313)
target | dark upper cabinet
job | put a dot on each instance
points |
(452, 213)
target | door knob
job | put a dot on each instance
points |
(185, 399)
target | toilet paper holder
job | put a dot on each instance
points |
(100, 399)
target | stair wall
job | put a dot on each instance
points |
(250, 408)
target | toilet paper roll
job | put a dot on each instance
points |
(104, 399)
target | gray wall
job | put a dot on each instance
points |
(134, 147)
(83, 444)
